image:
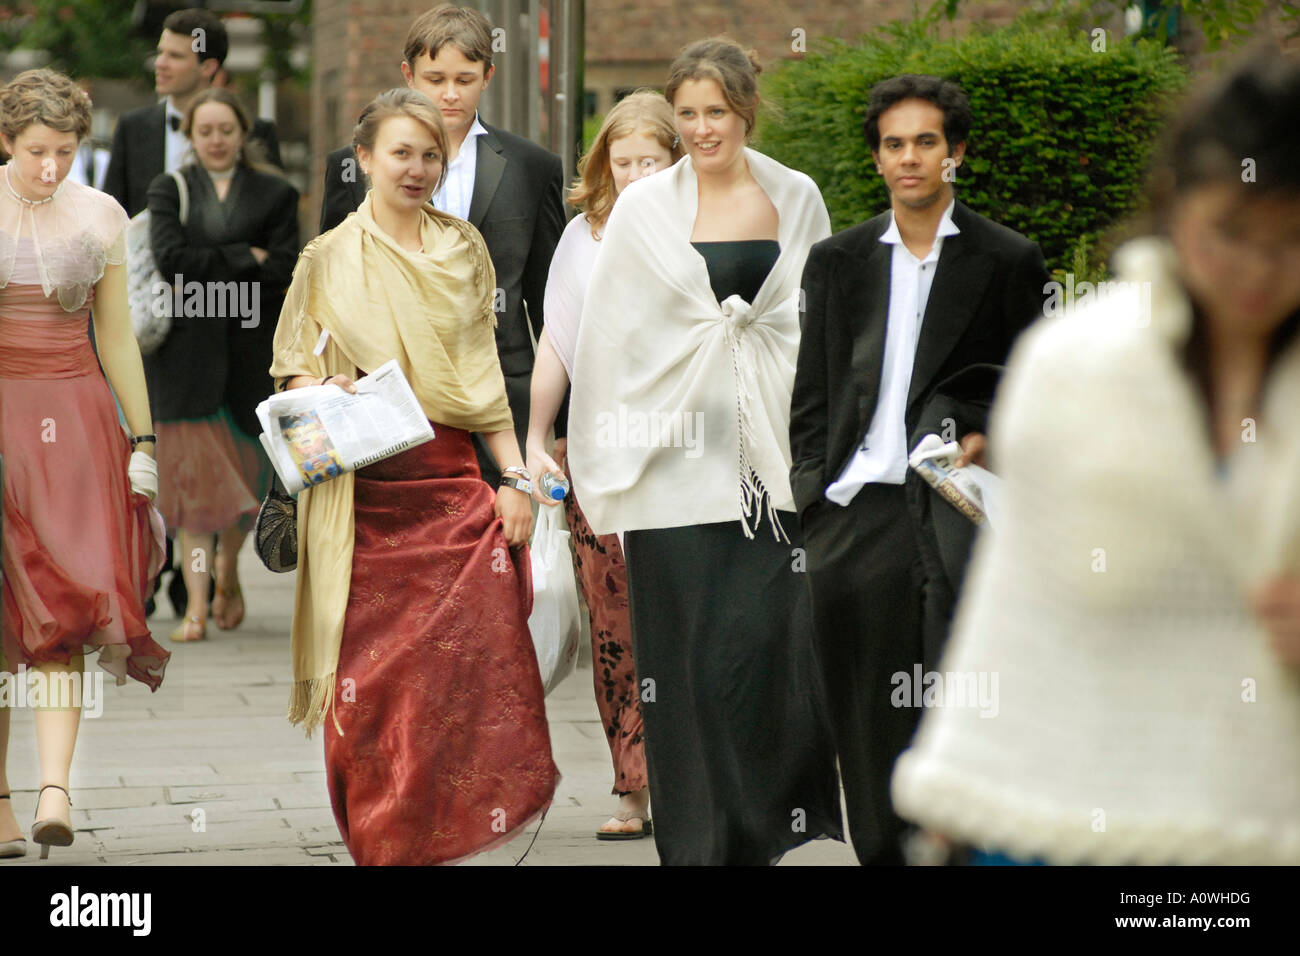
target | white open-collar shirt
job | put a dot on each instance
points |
(457, 190)
(882, 455)
(177, 146)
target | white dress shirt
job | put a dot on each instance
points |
(177, 146)
(457, 190)
(882, 456)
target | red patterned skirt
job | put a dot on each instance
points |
(602, 577)
(445, 750)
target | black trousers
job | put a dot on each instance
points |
(866, 576)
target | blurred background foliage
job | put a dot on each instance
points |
(1225, 23)
(102, 40)
(1061, 138)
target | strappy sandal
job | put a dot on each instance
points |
(624, 816)
(219, 611)
(12, 849)
(181, 635)
(52, 831)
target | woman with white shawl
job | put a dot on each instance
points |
(678, 437)
(1136, 611)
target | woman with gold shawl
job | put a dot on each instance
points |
(410, 630)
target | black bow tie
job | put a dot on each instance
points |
(174, 122)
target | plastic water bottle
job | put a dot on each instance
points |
(554, 486)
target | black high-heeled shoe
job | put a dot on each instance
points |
(12, 849)
(52, 831)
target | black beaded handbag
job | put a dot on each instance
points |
(276, 534)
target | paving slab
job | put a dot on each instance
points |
(215, 738)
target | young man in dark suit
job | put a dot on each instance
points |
(148, 141)
(894, 306)
(510, 189)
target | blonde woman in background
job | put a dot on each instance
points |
(638, 138)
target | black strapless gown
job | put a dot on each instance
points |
(738, 743)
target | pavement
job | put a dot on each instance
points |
(208, 772)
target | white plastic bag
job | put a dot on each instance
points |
(151, 316)
(556, 622)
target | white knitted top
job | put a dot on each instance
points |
(1141, 715)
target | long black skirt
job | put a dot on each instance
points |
(738, 744)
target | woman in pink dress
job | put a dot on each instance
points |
(638, 137)
(80, 542)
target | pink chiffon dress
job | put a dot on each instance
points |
(79, 546)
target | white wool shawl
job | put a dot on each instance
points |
(1141, 715)
(680, 409)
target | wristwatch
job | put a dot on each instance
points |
(519, 484)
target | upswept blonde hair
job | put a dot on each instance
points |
(44, 96)
(644, 111)
(402, 101)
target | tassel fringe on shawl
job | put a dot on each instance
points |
(655, 342)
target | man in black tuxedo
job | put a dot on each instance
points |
(894, 306)
(510, 189)
(148, 141)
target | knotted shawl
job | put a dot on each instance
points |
(1141, 713)
(432, 312)
(660, 362)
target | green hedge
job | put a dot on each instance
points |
(1059, 143)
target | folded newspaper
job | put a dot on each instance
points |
(319, 432)
(972, 490)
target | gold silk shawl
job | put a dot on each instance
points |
(432, 312)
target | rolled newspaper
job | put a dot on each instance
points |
(934, 460)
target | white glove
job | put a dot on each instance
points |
(143, 472)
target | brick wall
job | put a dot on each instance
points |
(356, 53)
(357, 44)
(634, 48)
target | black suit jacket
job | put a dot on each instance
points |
(140, 152)
(518, 207)
(987, 288)
(221, 357)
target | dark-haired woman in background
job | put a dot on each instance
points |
(1139, 600)
(239, 243)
